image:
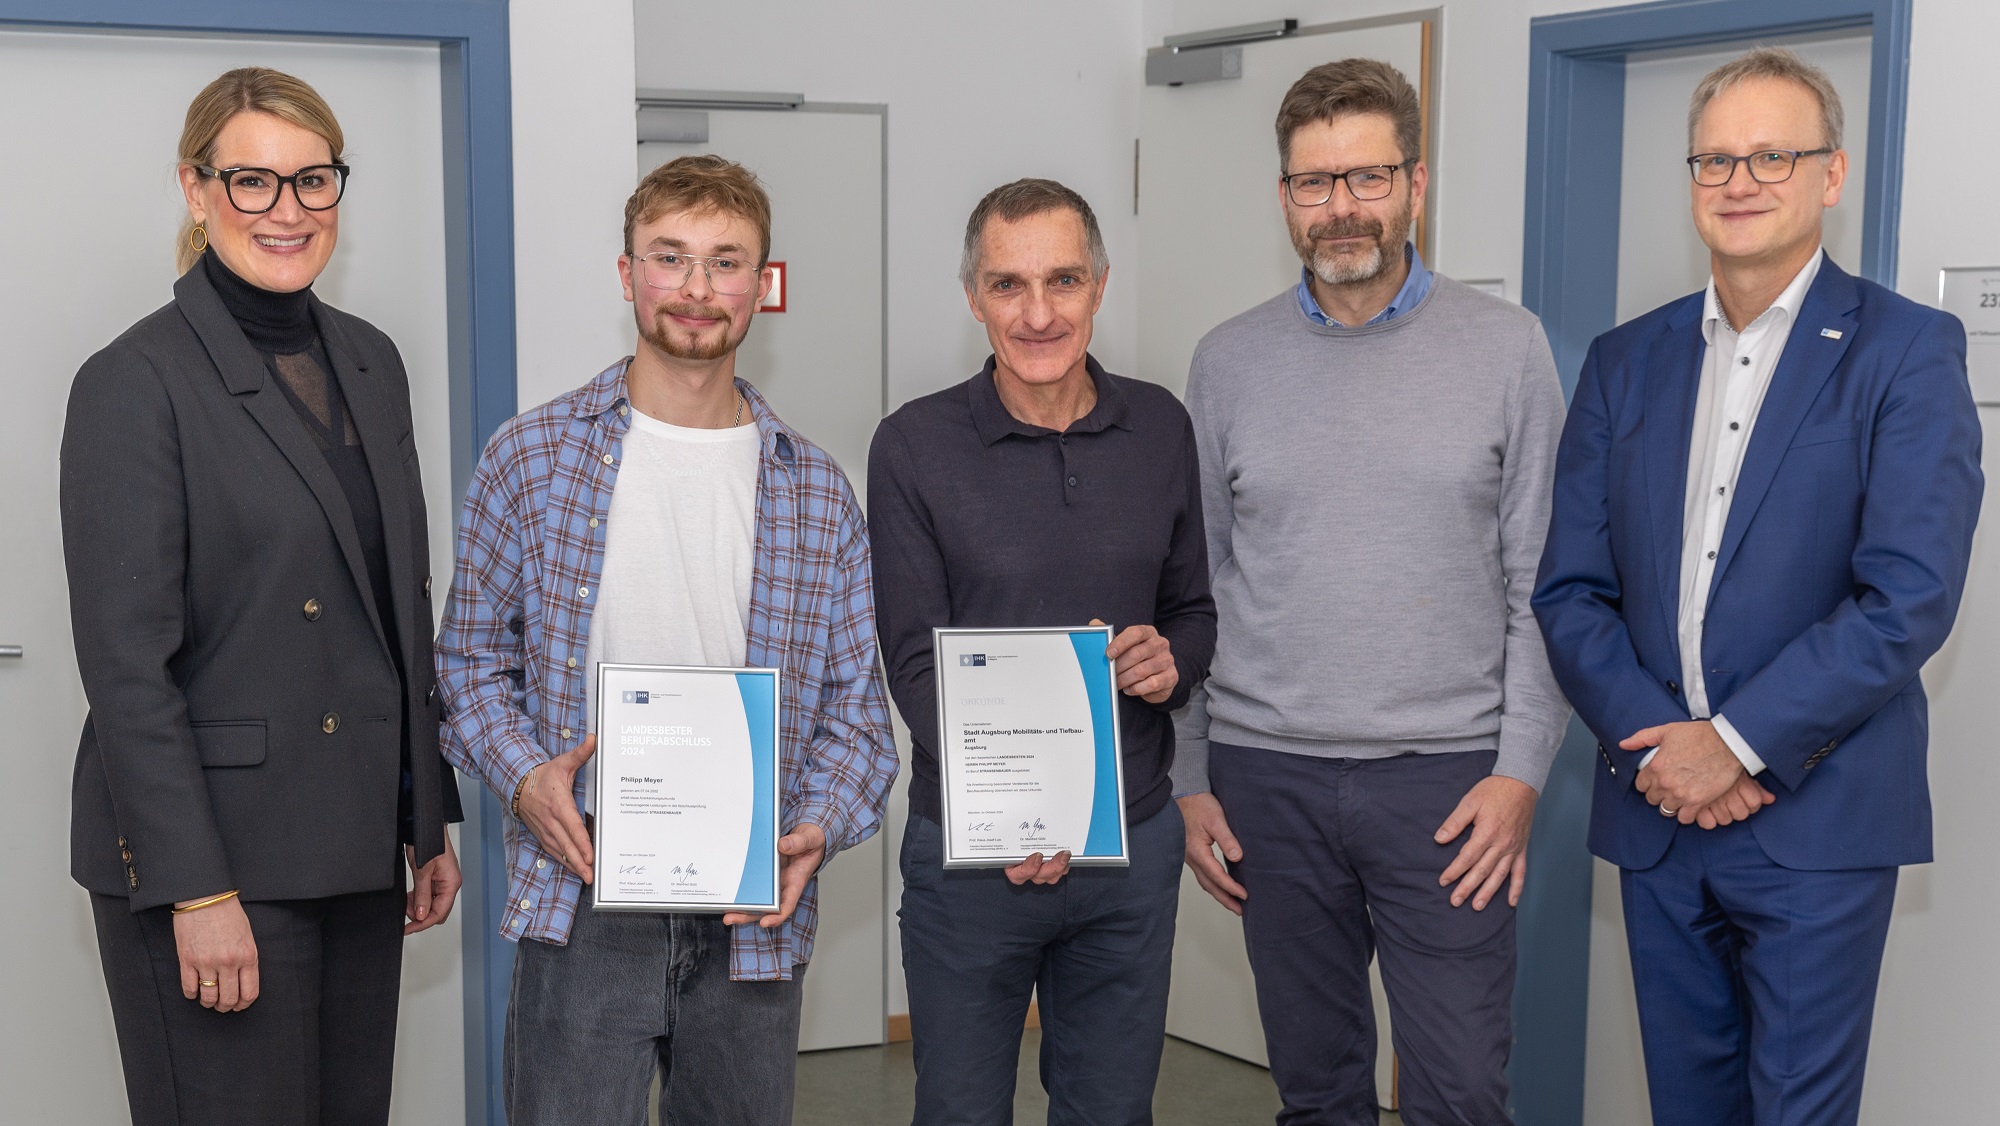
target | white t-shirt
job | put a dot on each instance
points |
(678, 551)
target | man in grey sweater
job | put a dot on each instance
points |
(1377, 446)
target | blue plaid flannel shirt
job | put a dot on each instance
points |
(510, 655)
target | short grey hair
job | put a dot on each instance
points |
(1017, 201)
(1771, 62)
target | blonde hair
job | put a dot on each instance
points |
(250, 89)
(1779, 63)
(701, 184)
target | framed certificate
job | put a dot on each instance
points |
(685, 789)
(1029, 758)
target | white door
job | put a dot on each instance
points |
(820, 364)
(1212, 239)
(93, 123)
(1212, 243)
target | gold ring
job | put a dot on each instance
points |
(208, 985)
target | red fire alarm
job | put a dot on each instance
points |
(774, 301)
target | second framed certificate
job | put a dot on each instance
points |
(686, 789)
(1029, 758)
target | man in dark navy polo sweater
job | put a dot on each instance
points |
(1043, 491)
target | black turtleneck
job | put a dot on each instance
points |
(276, 323)
(282, 329)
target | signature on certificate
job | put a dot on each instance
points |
(631, 869)
(1036, 827)
(979, 827)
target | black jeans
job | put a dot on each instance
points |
(590, 1021)
(1095, 949)
(317, 1047)
(1341, 861)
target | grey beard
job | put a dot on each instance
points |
(1347, 269)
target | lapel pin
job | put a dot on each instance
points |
(1830, 333)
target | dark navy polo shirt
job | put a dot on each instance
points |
(980, 520)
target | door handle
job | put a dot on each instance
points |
(10, 651)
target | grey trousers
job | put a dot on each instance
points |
(1340, 861)
(590, 1022)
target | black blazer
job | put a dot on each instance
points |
(246, 718)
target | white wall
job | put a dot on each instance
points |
(1937, 1025)
(977, 96)
(575, 140)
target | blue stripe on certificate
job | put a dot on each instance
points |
(759, 690)
(1104, 838)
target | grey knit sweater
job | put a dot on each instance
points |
(1376, 501)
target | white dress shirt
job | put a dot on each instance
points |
(1736, 370)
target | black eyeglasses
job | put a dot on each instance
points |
(1771, 166)
(1310, 189)
(253, 191)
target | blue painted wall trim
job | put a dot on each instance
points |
(472, 38)
(1569, 276)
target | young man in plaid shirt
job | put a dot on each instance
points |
(661, 514)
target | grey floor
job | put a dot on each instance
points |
(871, 1086)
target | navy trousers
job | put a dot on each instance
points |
(1341, 861)
(1756, 983)
(1095, 949)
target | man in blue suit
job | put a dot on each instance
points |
(1764, 507)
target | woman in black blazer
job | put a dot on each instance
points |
(244, 529)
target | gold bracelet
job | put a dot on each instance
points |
(201, 903)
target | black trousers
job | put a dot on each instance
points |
(318, 1046)
(1340, 862)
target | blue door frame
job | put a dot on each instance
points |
(472, 41)
(1569, 272)
(1576, 107)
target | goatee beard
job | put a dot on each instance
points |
(690, 346)
(1350, 268)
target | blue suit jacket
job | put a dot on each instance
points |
(1839, 574)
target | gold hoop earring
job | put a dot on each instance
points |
(199, 232)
